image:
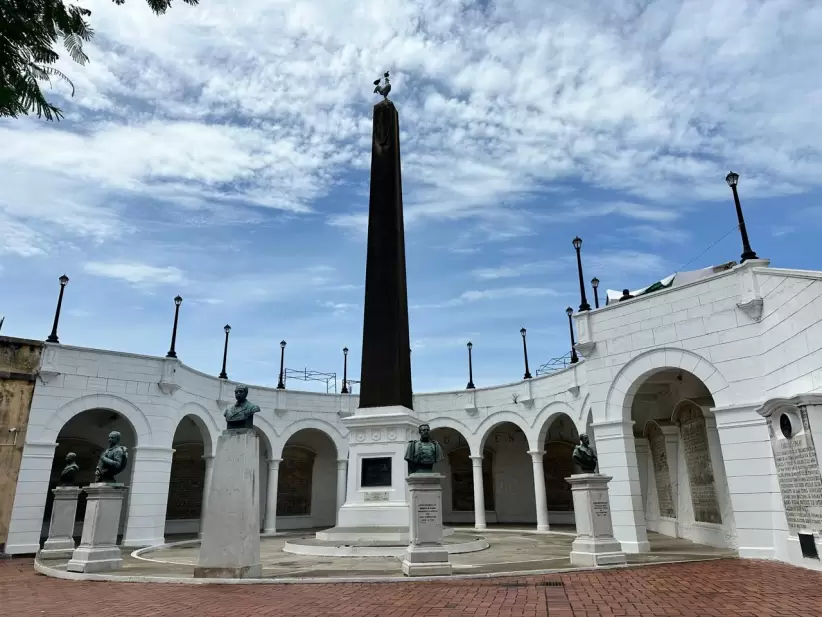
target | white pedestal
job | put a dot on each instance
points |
(595, 544)
(230, 547)
(60, 543)
(425, 556)
(98, 550)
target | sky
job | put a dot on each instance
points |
(221, 152)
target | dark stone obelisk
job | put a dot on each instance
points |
(385, 376)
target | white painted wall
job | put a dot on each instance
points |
(711, 328)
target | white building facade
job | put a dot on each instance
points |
(676, 390)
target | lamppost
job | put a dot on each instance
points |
(583, 305)
(470, 385)
(345, 371)
(747, 252)
(281, 383)
(53, 336)
(226, 329)
(171, 352)
(525, 353)
(574, 358)
(595, 285)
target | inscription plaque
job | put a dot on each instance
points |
(429, 517)
(800, 482)
(294, 485)
(692, 429)
(376, 496)
(662, 473)
(558, 464)
(376, 472)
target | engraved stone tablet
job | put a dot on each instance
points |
(662, 474)
(694, 435)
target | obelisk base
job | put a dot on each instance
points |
(425, 556)
(98, 550)
(60, 543)
(230, 546)
(595, 544)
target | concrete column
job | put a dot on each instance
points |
(30, 499)
(342, 478)
(539, 490)
(479, 493)
(147, 497)
(721, 481)
(270, 525)
(617, 458)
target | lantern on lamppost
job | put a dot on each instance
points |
(747, 252)
(223, 374)
(574, 358)
(583, 304)
(281, 381)
(525, 353)
(470, 385)
(52, 338)
(172, 352)
(345, 371)
(595, 285)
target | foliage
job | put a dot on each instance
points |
(29, 30)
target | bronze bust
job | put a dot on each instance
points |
(69, 471)
(241, 414)
(112, 461)
(423, 453)
(584, 455)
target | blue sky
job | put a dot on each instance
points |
(221, 152)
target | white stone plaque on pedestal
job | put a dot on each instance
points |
(60, 543)
(595, 544)
(425, 556)
(230, 547)
(98, 550)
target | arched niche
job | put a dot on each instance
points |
(561, 438)
(296, 481)
(462, 479)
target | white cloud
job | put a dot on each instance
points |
(136, 273)
(500, 293)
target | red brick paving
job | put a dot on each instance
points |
(728, 588)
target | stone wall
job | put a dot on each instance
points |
(19, 359)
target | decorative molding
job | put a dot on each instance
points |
(168, 382)
(471, 406)
(801, 400)
(585, 348)
(752, 308)
(528, 400)
(47, 375)
(573, 390)
(48, 363)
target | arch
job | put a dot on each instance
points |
(685, 402)
(127, 409)
(204, 421)
(266, 431)
(478, 438)
(583, 408)
(331, 431)
(546, 416)
(446, 422)
(631, 375)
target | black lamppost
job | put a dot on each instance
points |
(747, 252)
(53, 336)
(171, 352)
(525, 353)
(595, 285)
(574, 359)
(223, 374)
(583, 305)
(470, 385)
(281, 383)
(345, 371)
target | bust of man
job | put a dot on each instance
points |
(69, 471)
(112, 461)
(423, 453)
(584, 455)
(241, 415)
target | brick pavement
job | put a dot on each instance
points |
(727, 588)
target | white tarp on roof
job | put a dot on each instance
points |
(674, 280)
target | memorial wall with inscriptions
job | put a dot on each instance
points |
(462, 480)
(797, 470)
(694, 436)
(294, 484)
(558, 464)
(662, 473)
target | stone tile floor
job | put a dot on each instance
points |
(726, 588)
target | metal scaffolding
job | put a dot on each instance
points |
(329, 379)
(555, 364)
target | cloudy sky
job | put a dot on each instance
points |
(221, 152)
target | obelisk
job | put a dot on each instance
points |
(385, 376)
(376, 498)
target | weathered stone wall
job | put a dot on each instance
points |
(19, 360)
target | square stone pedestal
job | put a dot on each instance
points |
(60, 543)
(230, 546)
(98, 550)
(425, 556)
(595, 544)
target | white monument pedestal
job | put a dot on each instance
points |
(230, 546)
(425, 556)
(98, 550)
(595, 544)
(60, 543)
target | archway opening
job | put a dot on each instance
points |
(512, 474)
(86, 435)
(186, 486)
(307, 484)
(679, 457)
(458, 484)
(561, 437)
